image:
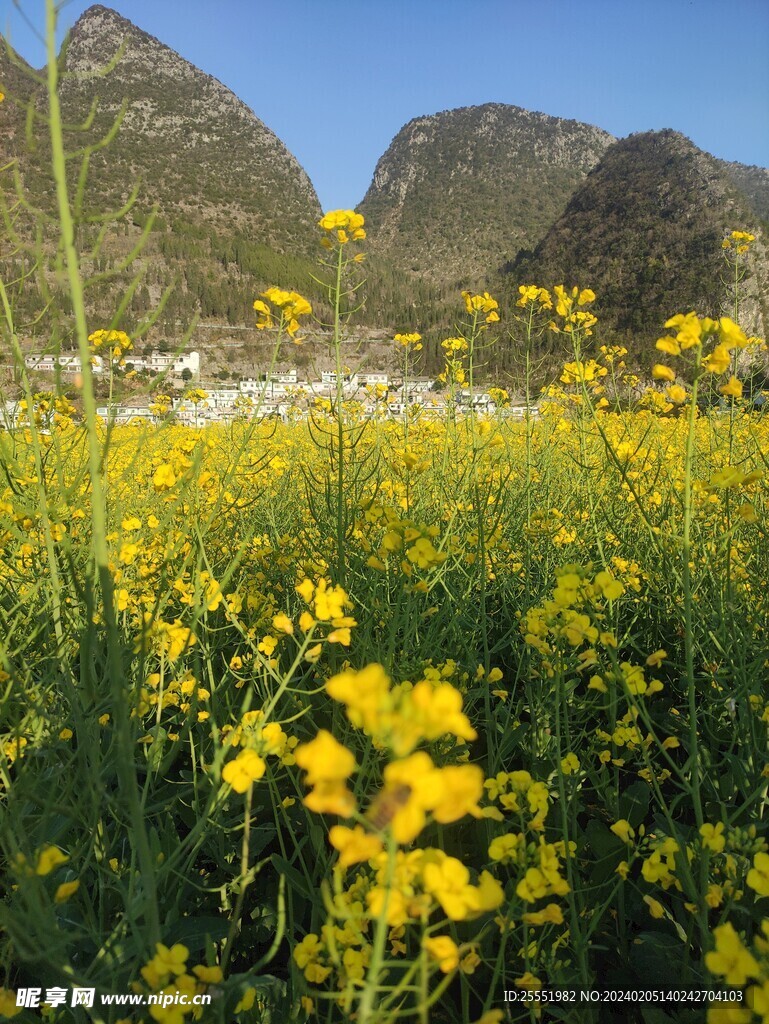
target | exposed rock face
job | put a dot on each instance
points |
(458, 193)
(644, 231)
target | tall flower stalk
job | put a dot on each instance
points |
(690, 341)
(410, 343)
(341, 229)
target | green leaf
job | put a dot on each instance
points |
(634, 803)
(155, 752)
(658, 955)
(195, 932)
(296, 880)
(603, 841)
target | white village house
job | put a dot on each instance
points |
(65, 363)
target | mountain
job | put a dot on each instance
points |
(234, 209)
(488, 196)
(458, 193)
(16, 83)
(644, 231)
(196, 147)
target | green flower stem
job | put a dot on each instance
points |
(694, 758)
(125, 760)
(243, 881)
(341, 554)
(366, 1009)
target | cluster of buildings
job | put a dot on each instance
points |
(279, 394)
(284, 396)
(154, 363)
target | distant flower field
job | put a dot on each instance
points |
(360, 719)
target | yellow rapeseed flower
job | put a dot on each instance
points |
(325, 759)
(480, 304)
(732, 388)
(48, 859)
(623, 829)
(8, 1007)
(65, 890)
(661, 372)
(208, 975)
(551, 914)
(730, 959)
(758, 876)
(462, 790)
(409, 341)
(713, 838)
(169, 960)
(344, 225)
(656, 909)
(246, 768)
(443, 949)
(283, 623)
(676, 394)
(719, 359)
(530, 293)
(247, 1002)
(354, 844)
(291, 306)
(164, 477)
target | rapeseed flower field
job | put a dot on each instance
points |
(492, 717)
(353, 718)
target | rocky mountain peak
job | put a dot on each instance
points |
(457, 190)
(100, 32)
(233, 210)
(183, 114)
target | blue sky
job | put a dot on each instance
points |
(336, 79)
